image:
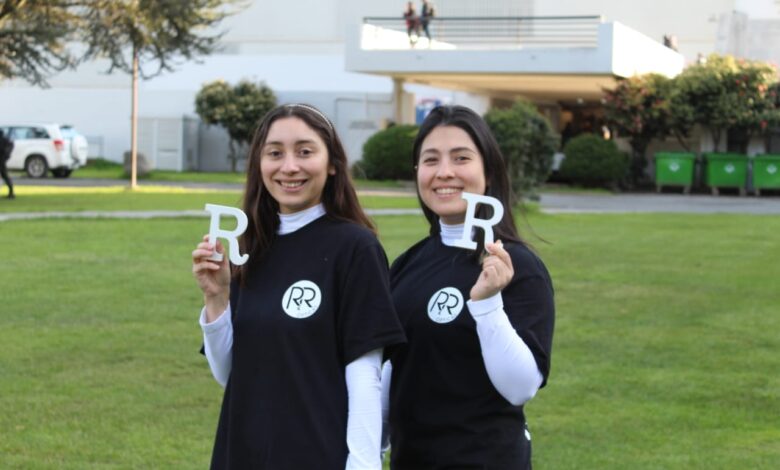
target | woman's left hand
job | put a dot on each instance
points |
(496, 272)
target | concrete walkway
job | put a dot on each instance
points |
(634, 203)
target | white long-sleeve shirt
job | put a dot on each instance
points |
(364, 420)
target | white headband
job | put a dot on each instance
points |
(312, 109)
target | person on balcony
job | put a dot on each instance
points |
(425, 17)
(412, 23)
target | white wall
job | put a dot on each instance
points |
(99, 106)
(759, 9)
(633, 53)
(743, 36)
(694, 22)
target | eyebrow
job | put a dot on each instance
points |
(297, 142)
(455, 150)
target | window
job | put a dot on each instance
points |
(38, 133)
(19, 133)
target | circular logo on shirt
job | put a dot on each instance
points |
(445, 305)
(302, 299)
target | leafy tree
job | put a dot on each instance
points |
(33, 34)
(639, 108)
(527, 142)
(152, 33)
(724, 93)
(769, 119)
(237, 109)
(145, 37)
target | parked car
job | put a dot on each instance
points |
(40, 148)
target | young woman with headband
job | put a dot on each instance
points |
(296, 334)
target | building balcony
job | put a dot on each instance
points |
(543, 58)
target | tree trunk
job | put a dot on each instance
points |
(233, 157)
(134, 126)
(748, 138)
(638, 162)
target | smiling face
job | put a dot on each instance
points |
(449, 164)
(294, 165)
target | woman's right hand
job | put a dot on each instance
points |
(213, 277)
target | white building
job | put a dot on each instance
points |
(318, 51)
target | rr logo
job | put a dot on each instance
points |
(445, 305)
(302, 299)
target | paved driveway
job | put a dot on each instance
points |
(699, 204)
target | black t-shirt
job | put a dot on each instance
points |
(444, 411)
(317, 301)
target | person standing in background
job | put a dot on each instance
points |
(412, 23)
(6, 147)
(425, 17)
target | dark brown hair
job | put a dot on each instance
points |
(496, 176)
(338, 196)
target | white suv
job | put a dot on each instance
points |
(39, 148)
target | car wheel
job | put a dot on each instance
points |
(36, 166)
(61, 172)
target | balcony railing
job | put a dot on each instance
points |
(482, 32)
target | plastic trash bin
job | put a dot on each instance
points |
(726, 170)
(766, 172)
(674, 169)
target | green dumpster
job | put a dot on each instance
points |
(766, 172)
(726, 170)
(674, 169)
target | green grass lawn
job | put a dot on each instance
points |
(116, 172)
(75, 199)
(665, 352)
(104, 169)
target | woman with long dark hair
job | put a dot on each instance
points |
(296, 334)
(479, 324)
